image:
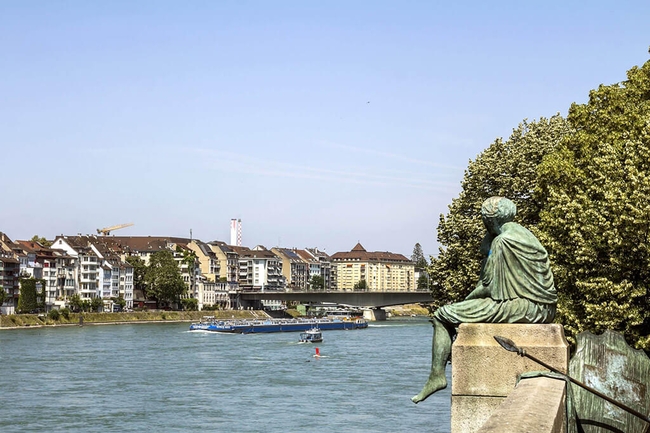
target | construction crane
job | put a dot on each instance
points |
(107, 230)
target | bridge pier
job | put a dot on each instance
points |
(374, 314)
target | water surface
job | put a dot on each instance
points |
(163, 378)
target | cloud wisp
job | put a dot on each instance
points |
(241, 163)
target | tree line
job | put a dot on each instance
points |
(582, 186)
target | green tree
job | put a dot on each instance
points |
(119, 301)
(163, 278)
(41, 240)
(361, 285)
(139, 273)
(189, 259)
(190, 304)
(96, 304)
(596, 222)
(3, 295)
(317, 282)
(75, 302)
(31, 298)
(423, 282)
(506, 168)
(418, 257)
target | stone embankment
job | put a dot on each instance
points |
(17, 321)
(407, 310)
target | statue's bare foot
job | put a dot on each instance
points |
(435, 383)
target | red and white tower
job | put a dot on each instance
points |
(235, 232)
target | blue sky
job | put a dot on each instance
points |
(319, 124)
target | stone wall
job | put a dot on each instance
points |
(484, 373)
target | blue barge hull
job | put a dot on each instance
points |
(277, 325)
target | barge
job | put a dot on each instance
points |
(278, 325)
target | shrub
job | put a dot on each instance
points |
(65, 312)
(54, 314)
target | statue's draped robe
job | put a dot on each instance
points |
(515, 286)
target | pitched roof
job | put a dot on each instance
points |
(143, 243)
(358, 253)
(246, 252)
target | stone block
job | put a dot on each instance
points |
(535, 405)
(481, 367)
(483, 373)
(480, 408)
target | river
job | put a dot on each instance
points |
(163, 378)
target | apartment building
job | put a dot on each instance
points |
(9, 271)
(145, 246)
(294, 269)
(67, 272)
(201, 274)
(313, 266)
(382, 271)
(91, 268)
(259, 268)
(327, 271)
(209, 263)
(228, 261)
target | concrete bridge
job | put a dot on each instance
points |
(365, 299)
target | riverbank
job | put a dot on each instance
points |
(17, 321)
(407, 310)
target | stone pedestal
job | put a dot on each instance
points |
(483, 373)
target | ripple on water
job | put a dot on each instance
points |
(159, 377)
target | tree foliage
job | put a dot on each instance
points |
(596, 221)
(361, 285)
(3, 295)
(190, 304)
(31, 298)
(96, 305)
(41, 240)
(418, 257)
(163, 278)
(317, 282)
(75, 302)
(505, 168)
(423, 282)
(139, 273)
(190, 259)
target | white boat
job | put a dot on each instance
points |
(313, 335)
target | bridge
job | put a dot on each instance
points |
(366, 299)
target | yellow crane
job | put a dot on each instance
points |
(107, 230)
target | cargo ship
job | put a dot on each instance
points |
(278, 325)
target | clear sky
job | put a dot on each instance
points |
(318, 123)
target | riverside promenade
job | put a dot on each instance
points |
(19, 321)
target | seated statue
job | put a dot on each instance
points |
(515, 286)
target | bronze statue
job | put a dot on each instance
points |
(515, 286)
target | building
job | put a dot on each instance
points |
(92, 268)
(328, 271)
(295, 270)
(259, 269)
(228, 261)
(9, 271)
(382, 271)
(313, 267)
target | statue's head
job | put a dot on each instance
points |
(496, 211)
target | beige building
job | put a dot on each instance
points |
(381, 271)
(294, 269)
(228, 261)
